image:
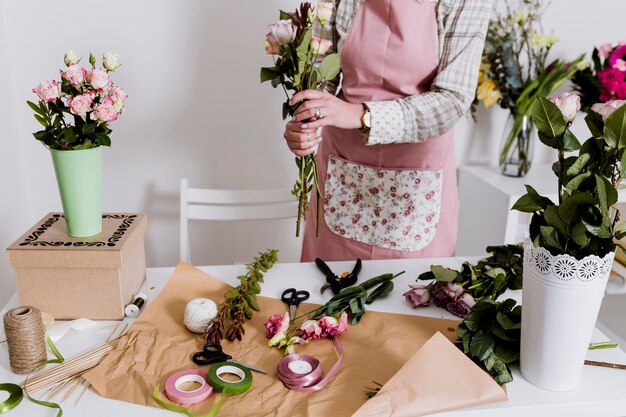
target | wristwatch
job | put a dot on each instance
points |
(366, 119)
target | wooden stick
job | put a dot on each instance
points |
(606, 364)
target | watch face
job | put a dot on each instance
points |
(366, 119)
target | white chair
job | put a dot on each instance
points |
(220, 205)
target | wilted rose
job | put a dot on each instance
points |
(276, 324)
(606, 109)
(110, 61)
(462, 306)
(442, 294)
(283, 32)
(417, 296)
(320, 46)
(48, 91)
(80, 104)
(568, 104)
(324, 11)
(71, 58)
(311, 330)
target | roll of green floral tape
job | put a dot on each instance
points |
(15, 397)
(229, 387)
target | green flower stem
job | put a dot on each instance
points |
(609, 344)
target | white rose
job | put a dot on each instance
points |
(569, 104)
(606, 109)
(71, 58)
(324, 11)
(110, 61)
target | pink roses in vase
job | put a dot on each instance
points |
(76, 110)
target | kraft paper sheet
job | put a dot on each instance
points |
(158, 345)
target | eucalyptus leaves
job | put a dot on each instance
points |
(241, 300)
(582, 223)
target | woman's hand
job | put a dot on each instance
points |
(324, 109)
(301, 141)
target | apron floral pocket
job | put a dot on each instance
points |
(388, 208)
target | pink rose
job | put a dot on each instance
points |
(417, 296)
(105, 111)
(568, 104)
(276, 324)
(81, 104)
(118, 96)
(606, 109)
(310, 330)
(442, 294)
(283, 32)
(271, 45)
(47, 91)
(75, 74)
(99, 79)
(605, 50)
(320, 46)
(462, 306)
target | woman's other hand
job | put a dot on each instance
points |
(324, 109)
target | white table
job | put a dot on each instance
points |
(601, 393)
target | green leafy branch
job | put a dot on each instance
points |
(241, 300)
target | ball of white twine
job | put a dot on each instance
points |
(198, 313)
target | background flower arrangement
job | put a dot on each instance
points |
(76, 111)
(297, 67)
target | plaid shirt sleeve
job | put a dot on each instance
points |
(462, 26)
(328, 32)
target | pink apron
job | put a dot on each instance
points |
(386, 201)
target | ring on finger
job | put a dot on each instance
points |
(318, 113)
(308, 140)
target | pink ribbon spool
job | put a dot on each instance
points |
(304, 373)
(175, 394)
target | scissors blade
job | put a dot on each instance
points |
(292, 311)
(250, 367)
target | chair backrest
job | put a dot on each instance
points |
(220, 205)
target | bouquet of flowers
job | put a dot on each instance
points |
(76, 111)
(606, 79)
(516, 37)
(297, 67)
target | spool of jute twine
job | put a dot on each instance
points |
(25, 338)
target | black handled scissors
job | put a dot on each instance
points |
(292, 298)
(338, 283)
(213, 353)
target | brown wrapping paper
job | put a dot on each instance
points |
(439, 377)
(158, 345)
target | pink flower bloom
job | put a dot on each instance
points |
(48, 91)
(605, 50)
(283, 32)
(343, 322)
(75, 74)
(99, 79)
(462, 306)
(118, 96)
(311, 330)
(417, 296)
(271, 45)
(606, 109)
(620, 65)
(618, 53)
(105, 111)
(81, 104)
(442, 294)
(328, 325)
(276, 324)
(568, 104)
(320, 46)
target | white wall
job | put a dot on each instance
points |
(195, 110)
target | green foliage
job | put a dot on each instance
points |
(489, 278)
(490, 335)
(582, 223)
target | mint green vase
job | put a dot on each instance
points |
(79, 176)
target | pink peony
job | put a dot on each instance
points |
(276, 324)
(606, 109)
(320, 46)
(75, 74)
(81, 104)
(99, 79)
(283, 32)
(105, 111)
(462, 306)
(311, 330)
(47, 91)
(605, 50)
(118, 96)
(417, 296)
(568, 104)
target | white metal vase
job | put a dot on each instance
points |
(561, 298)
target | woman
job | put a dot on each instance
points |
(386, 153)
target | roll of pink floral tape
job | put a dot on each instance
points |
(174, 382)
